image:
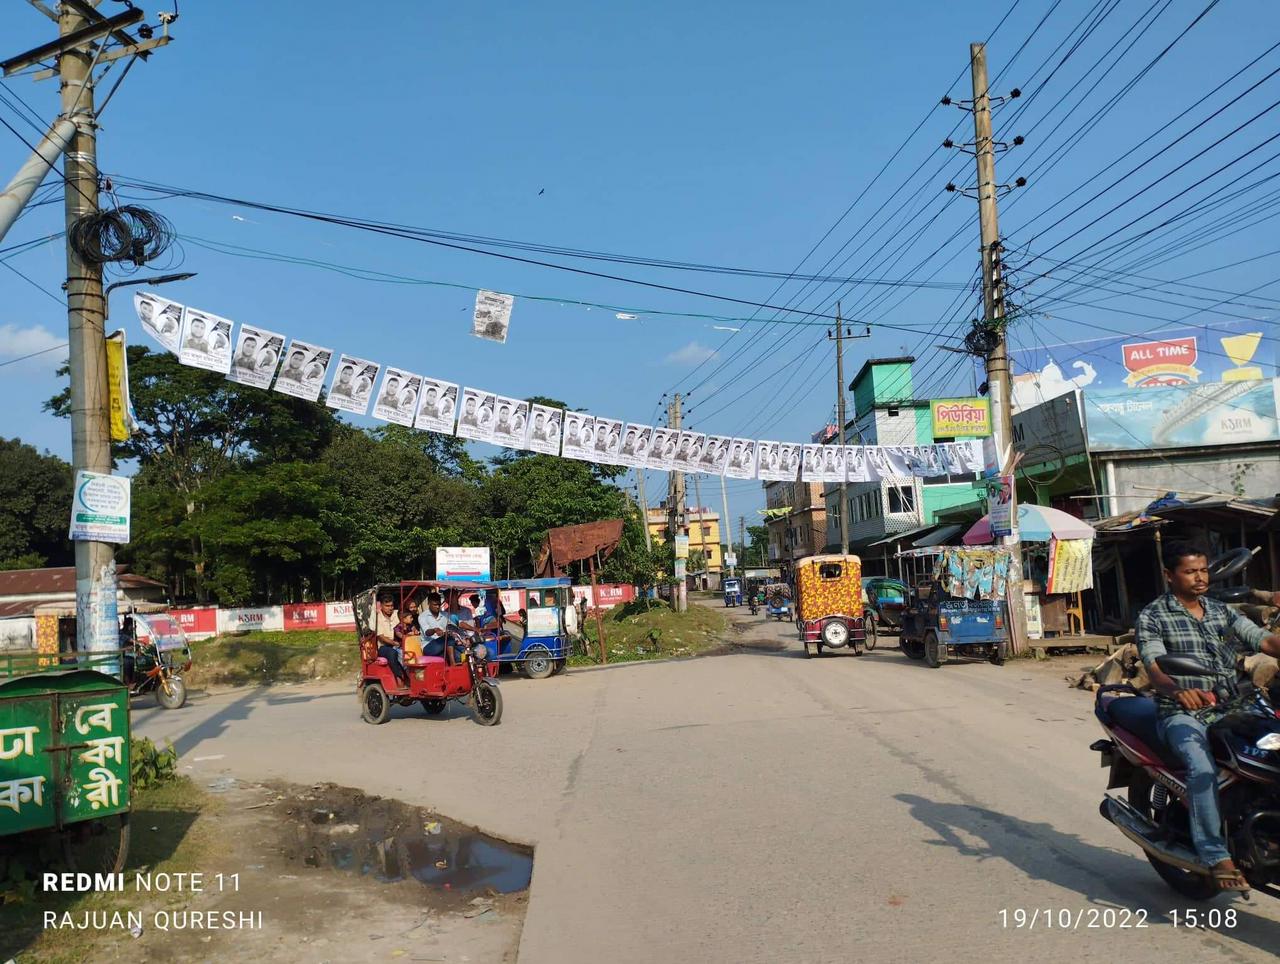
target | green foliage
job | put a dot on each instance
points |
(149, 766)
(757, 551)
(35, 499)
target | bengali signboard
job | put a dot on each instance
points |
(1218, 413)
(961, 417)
(462, 563)
(100, 508)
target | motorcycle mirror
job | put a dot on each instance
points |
(1182, 666)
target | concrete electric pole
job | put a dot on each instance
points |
(844, 484)
(676, 516)
(998, 387)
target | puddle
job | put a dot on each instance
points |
(340, 828)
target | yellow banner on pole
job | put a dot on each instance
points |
(118, 377)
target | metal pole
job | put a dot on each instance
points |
(96, 626)
(993, 312)
(644, 508)
(844, 484)
(32, 173)
(726, 526)
(676, 516)
(599, 621)
(701, 517)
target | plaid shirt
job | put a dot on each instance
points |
(1165, 627)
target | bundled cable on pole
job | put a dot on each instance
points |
(126, 234)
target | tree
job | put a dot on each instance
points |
(35, 508)
(757, 550)
(634, 562)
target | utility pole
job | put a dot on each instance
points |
(726, 525)
(698, 515)
(96, 627)
(676, 515)
(998, 388)
(644, 507)
(742, 537)
(844, 484)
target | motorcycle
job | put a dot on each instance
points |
(754, 603)
(148, 670)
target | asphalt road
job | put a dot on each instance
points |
(761, 807)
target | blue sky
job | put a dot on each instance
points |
(715, 132)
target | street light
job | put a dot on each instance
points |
(162, 279)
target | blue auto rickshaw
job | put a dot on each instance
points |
(547, 644)
(732, 592)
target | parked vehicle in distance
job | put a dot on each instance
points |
(549, 620)
(156, 654)
(732, 589)
(886, 599)
(937, 625)
(829, 603)
(777, 601)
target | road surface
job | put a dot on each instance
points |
(762, 807)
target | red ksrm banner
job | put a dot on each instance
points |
(197, 622)
(304, 616)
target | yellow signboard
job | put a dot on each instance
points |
(118, 377)
(961, 417)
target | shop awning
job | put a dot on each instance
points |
(900, 536)
(939, 537)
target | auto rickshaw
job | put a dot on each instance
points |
(777, 601)
(955, 604)
(546, 647)
(432, 681)
(829, 603)
(732, 592)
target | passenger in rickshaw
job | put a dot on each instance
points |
(434, 624)
(409, 636)
(385, 629)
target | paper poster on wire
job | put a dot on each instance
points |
(579, 434)
(476, 420)
(606, 445)
(397, 400)
(772, 462)
(160, 318)
(511, 422)
(437, 406)
(492, 316)
(635, 445)
(256, 357)
(715, 455)
(302, 375)
(689, 451)
(351, 388)
(206, 341)
(742, 459)
(662, 448)
(544, 429)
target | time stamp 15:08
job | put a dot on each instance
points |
(1112, 918)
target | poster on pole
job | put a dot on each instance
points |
(123, 422)
(511, 422)
(635, 445)
(160, 318)
(1000, 500)
(437, 406)
(302, 375)
(476, 420)
(100, 506)
(257, 356)
(398, 399)
(544, 429)
(742, 459)
(492, 316)
(206, 341)
(352, 385)
(662, 448)
(462, 563)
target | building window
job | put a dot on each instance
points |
(706, 530)
(902, 498)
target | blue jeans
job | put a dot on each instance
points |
(392, 655)
(1190, 742)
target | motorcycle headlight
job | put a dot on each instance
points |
(1268, 741)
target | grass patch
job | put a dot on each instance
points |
(633, 634)
(163, 838)
(259, 658)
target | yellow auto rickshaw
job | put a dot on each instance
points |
(829, 603)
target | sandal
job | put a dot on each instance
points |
(1231, 881)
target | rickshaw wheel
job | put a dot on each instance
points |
(434, 705)
(933, 652)
(997, 655)
(97, 846)
(808, 650)
(486, 704)
(374, 705)
(560, 667)
(869, 632)
(171, 693)
(538, 664)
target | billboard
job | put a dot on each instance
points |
(1232, 351)
(961, 417)
(1221, 413)
(1050, 430)
(462, 563)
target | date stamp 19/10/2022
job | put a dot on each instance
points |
(1112, 918)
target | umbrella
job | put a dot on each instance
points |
(1036, 523)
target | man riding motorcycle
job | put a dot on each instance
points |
(1185, 622)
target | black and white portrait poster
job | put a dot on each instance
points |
(878, 466)
(635, 445)
(811, 466)
(256, 356)
(898, 458)
(397, 399)
(544, 429)
(662, 448)
(579, 435)
(437, 406)
(206, 341)
(160, 317)
(770, 466)
(716, 456)
(606, 447)
(970, 452)
(927, 461)
(302, 374)
(689, 451)
(492, 316)
(511, 422)
(855, 464)
(833, 463)
(950, 455)
(789, 454)
(742, 459)
(351, 387)
(478, 413)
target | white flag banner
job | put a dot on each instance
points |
(811, 466)
(206, 341)
(662, 448)
(689, 451)
(303, 372)
(398, 398)
(742, 459)
(437, 406)
(351, 387)
(544, 429)
(256, 357)
(579, 436)
(636, 440)
(160, 318)
(606, 445)
(476, 420)
(511, 423)
(715, 456)
(492, 316)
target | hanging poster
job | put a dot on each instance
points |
(100, 507)
(898, 460)
(811, 466)
(833, 463)
(855, 464)
(1000, 505)
(924, 460)
(715, 456)
(437, 406)
(544, 429)
(689, 451)
(206, 341)
(606, 445)
(256, 357)
(742, 459)
(492, 316)
(878, 466)
(476, 420)
(398, 398)
(302, 375)
(352, 385)
(1070, 565)
(952, 463)
(511, 423)
(662, 448)
(635, 445)
(971, 454)
(160, 317)
(123, 423)
(579, 434)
